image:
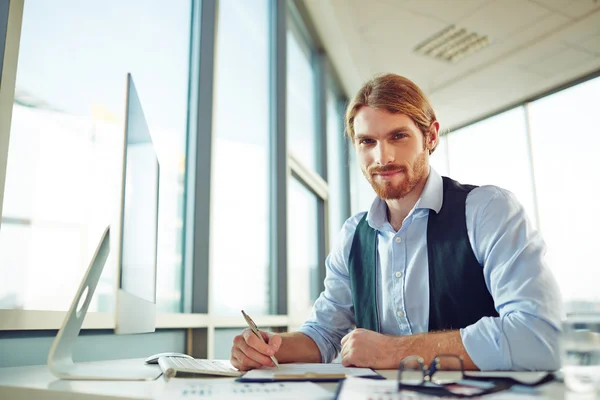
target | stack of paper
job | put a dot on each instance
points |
(228, 389)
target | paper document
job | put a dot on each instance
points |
(312, 371)
(229, 389)
(363, 389)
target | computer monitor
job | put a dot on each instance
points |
(136, 255)
(11, 15)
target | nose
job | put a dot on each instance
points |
(384, 154)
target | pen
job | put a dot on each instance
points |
(254, 328)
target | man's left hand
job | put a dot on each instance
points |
(369, 349)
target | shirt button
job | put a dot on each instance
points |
(398, 239)
(398, 274)
(400, 314)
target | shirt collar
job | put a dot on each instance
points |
(431, 198)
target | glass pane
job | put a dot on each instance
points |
(301, 123)
(240, 185)
(224, 341)
(303, 258)
(565, 145)
(361, 191)
(495, 152)
(439, 159)
(65, 156)
(336, 165)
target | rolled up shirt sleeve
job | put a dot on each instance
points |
(526, 295)
(332, 316)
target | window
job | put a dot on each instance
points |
(337, 167)
(301, 100)
(565, 146)
(361, 191)
(303, 250)
(495, 152)
(64, 165)
(439, 158)
(240, 184)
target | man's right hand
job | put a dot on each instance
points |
(249, 352)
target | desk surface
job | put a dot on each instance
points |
(37, 382)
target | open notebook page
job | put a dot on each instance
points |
(300, 369)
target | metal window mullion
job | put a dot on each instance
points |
(313, 181)
(199, 156)
(527, 112)
(319, 67)
(11, 18)
(4, 9)
(278, 168)
(345, 147)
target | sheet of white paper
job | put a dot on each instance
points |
(231, 390)
(293, 369)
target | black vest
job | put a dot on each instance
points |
(458, 295)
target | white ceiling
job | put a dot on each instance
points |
(537, 45)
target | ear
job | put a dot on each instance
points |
(433, 137)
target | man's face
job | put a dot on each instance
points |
(391, 152)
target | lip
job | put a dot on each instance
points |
(388, 174)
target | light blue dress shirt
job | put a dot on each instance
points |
(511, 251)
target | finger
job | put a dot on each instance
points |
(347, 359)
(275, 342)
(241, 361)
(345, 339)
(233, 359)
(253, 341)
(348, 336)
(253, 354)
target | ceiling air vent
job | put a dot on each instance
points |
(452, 44)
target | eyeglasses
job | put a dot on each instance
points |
(445, 376)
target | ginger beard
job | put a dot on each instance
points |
(409, 177)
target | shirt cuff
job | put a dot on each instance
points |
(327, 354)
(486, 345)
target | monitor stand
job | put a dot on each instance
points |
(60, 359)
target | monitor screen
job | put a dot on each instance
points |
(139, 204)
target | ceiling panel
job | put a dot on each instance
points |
(536, 53)
(404, 28)
(443, 10)
(486, 90)
(503, 51)
(560, 62)
(592, 45)
(365, 14)
(582, 29)
(571, 8)
(502, 18)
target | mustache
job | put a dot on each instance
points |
(385, 169)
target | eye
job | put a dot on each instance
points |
(399, 135)
(365, 141)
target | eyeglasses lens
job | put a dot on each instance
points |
(411, 371)
(448, 369)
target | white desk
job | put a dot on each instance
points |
(37, 382)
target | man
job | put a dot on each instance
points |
(434, 267)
